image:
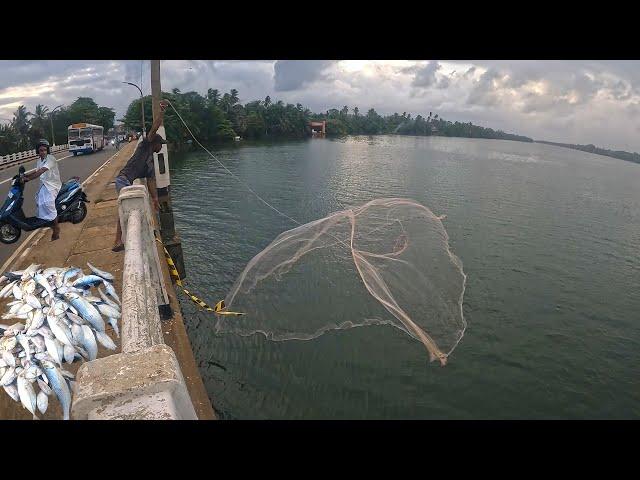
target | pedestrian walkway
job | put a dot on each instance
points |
(91, 241)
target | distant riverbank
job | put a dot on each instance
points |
(619, 154)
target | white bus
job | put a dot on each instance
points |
(86, 138)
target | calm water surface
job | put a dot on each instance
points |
(549, 239)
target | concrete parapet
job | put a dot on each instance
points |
(146, 385)
(144, 382)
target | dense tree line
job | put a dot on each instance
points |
(218, 117)
(26, 128)
(620, 154)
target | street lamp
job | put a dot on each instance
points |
(53, 138)
(144, 133)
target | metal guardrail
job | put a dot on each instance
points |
(26, 154)
(144, 382)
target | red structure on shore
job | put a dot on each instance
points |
(318, 125)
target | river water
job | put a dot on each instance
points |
(549, 240)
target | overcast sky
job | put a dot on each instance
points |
(565, 101)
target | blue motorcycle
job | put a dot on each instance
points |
(70, 205)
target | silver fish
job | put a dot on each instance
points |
(24, 342)
(100, 273)
(105, 340)
(52, 271)
(16, 306)
(59, 387)
(32, 300)
(17, 292)
(30, 270)
(24, 309)
(107, 299)
(38, 320)
(44, 356)
(28, 287)
(69, 353)
(87, 311)
(27, 395)
(45, 284)
(8, 288)
(114, 324)
(42, 401)
(89, 342)
(44, 386)
(8, 358)
(69, 274)
(8, 316)
(45, 332)
(88, 280)
(53, 350)
(16, 327)
(75, 318)
(9, 377)
(32, 372)
(108, 310)
(76, 333)
(61, 332)
(38, 341)
(112, 291)
(12, 391)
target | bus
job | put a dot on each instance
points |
(86, 138)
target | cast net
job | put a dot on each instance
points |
(385, 262)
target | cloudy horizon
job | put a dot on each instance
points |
(582, 102)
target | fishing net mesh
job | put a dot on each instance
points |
(385, 262)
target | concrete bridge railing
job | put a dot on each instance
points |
(28, 154)
(144, 382)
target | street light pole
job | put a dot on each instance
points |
(53, 138)
(168, 232)
(144, 133)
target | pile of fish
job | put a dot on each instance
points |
(59, 321)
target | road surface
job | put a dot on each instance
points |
(81, 166)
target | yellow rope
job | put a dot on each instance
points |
(219, 307)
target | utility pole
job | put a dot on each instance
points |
(163, 181)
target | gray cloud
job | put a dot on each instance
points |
(426, 77)
(294, 74)
(568, 101)
(484, 91)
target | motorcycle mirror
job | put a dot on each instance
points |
(21, 169)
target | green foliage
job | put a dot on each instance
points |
(219, 117)
(336, 128)
(26, 128)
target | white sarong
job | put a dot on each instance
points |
(46, 201)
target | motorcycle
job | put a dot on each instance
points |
(70, 205)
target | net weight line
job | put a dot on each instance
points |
(218, 309)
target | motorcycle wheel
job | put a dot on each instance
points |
(79, 214)
(9, 233)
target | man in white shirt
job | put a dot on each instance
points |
(47, 170)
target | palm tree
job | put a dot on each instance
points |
(234, 96)
(267, 101)
(213, 96)
(21, 125)
(39, 121)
